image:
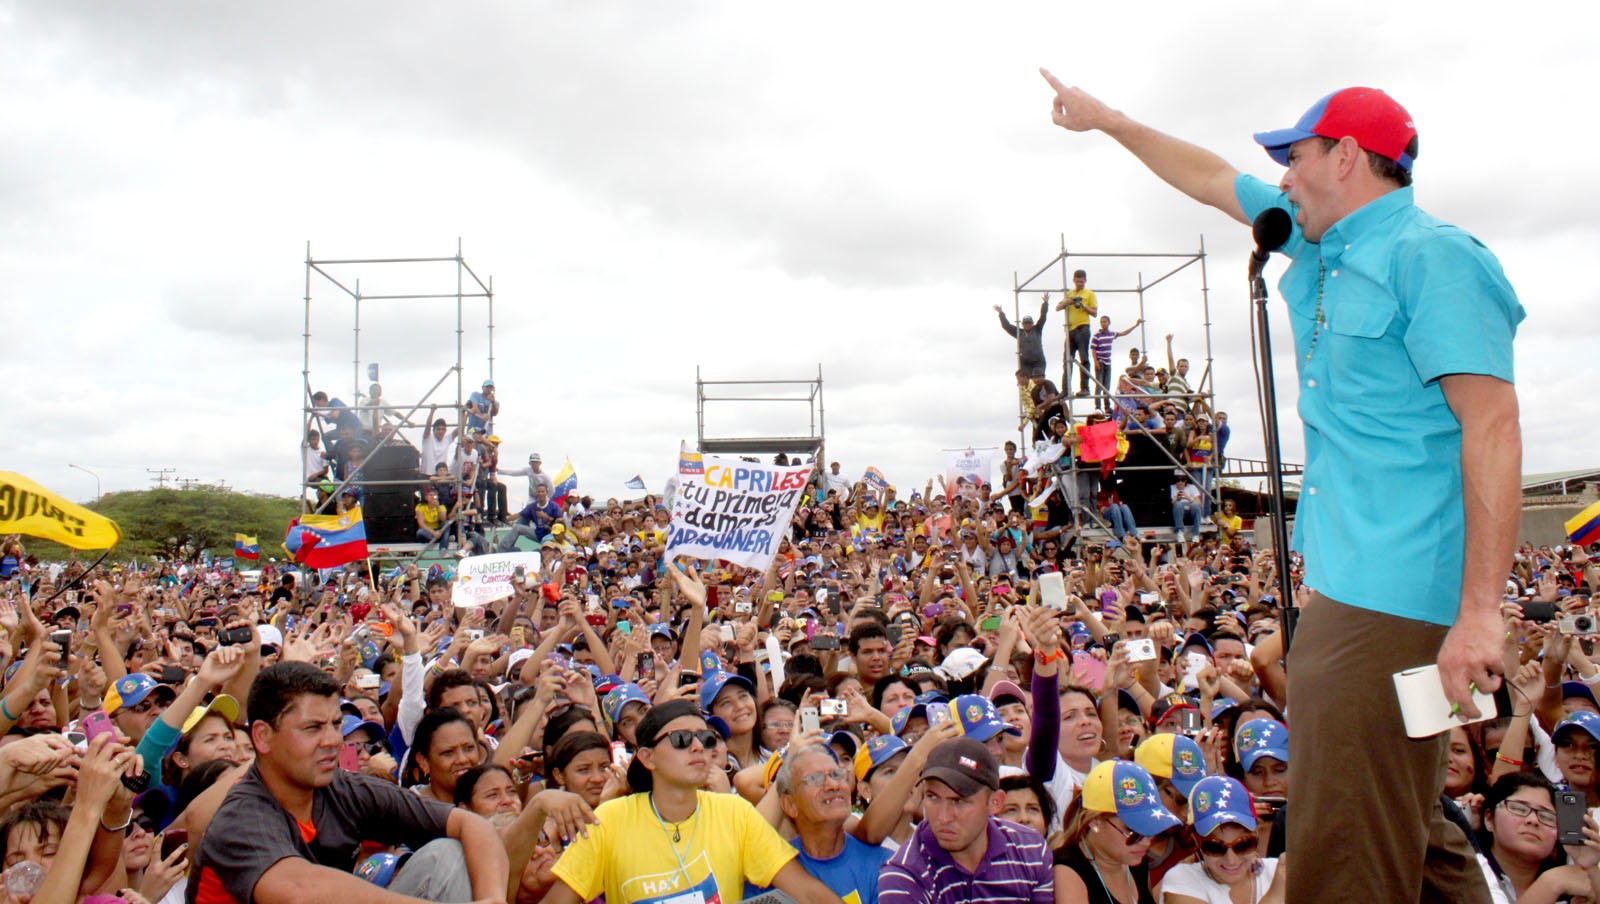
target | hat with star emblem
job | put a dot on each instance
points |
(1217, 801)
(1258, 738)
(1127, 791)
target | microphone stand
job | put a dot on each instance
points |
(1269, 426)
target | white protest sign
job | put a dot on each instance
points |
(727, 508)
(966, 473)
(481, 580)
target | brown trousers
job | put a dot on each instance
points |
(1367, 824)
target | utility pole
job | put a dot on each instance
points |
(222, 485)
(187, 483)
(160, 480)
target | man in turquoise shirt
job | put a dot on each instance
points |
(1411, 498)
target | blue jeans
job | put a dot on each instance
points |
(1184, 510)
(443, 540)
(1121, 518)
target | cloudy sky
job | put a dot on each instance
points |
(747, 188)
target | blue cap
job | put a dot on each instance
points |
(848, 741)
(1219, 800)
(713, 682)
(1578, 689)
(979, 718)
(876, 752)
(351, 724)
(931, 697)
(619, 697)
(130, 690)
(1583, 719)
(1269, 737)
(709, 662)
(897, 724)
(379, 869)
(663, 631)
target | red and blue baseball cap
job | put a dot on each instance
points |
(1127, 791)
(1219, 800)
(1374, 119)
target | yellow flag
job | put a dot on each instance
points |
(27, 508)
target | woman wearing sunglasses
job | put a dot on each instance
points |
(671, 838)
(1108, 828)
(1230, 869)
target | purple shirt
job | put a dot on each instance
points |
(1101, 344)
(1016, 867)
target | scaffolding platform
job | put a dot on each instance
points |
(390, 299)
(771, 395)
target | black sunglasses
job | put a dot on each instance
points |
(1244, 845)
(683, 738)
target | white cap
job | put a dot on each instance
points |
(270, 635)
(961, 663)
(518, 657)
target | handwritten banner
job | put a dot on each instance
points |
(728, 508)
(481, 580)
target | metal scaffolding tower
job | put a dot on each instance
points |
(380, 307)
(768, 394)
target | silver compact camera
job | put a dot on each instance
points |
(1577, 624)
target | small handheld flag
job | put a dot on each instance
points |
(246, 547)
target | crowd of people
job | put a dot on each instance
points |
(1143, 400)
(931, 728)
(950, 697)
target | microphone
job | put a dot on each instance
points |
(1271, 229)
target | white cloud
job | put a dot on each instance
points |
(751, 189)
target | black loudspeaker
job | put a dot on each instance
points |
(1145, 481)
(392, 461)
(390, 514)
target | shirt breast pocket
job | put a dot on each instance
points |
(1369, 359)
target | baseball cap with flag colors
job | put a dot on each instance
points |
(1374, 119)
(1127, 791)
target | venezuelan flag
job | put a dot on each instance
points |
(327, 541)
(1584, 527)
(246, 547)
(566, 483)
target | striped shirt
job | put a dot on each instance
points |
(1015, 868)
(1101, 344)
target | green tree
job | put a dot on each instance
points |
(179, 524)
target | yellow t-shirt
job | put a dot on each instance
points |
(629, 856)
(432, 515)
(870, 522)
(1229, 526)
(1076, 316)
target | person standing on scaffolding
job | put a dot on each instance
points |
(1030, 339)
(1081, 307)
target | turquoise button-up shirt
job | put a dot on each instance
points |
(1406, 299)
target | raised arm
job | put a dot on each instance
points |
(1189, 168)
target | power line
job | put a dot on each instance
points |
(160, 480)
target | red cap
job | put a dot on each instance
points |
(1374, 119)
